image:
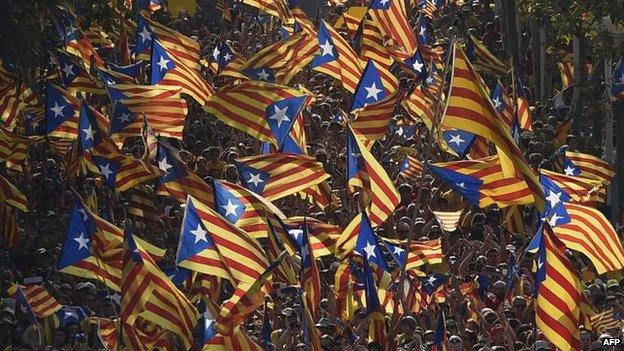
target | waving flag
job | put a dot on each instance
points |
(36, 298)
(177, 179)
(372, 88)
(523, 113)
(424, 252)
(364, 171)
(588, 166)
(322, 235)
(277, 8)
(277, 175)
(75, 78)
(579, 190)
(504, 106)
(247, 297)
(185, 50)
(141, 204)
(605, 321)
(89, 251)
(121, 172)
(557, 308)
(242, 207)
(14, 98)
(61, 113)
(411, 167)
(147, 292)
(368, 246)
(469, 108)
(282, 60)
(420, 105)
(430, 52)
(459, 141)
(336, 58)
(10, 230)
(440, 341)
(22, 303)
(309, 274)
(617, 83)
(588, 231)
(391, 16)
(482, 182)
(12, 196)
(168, 70)
(377, 326)
(225, 60)
(263, 110)
(370, 42)
(211, 245)
(483, 60)
(166, 116)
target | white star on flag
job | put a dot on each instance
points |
(105, 170)
(82, 241)
(255, 179)
(327, 48)
(280, 115)
(230, 208)
(200, 234)
(369, 249)
(57, 109)
(456, 139)
(162, 63)
(372, 91)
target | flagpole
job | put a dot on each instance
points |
(398, 297)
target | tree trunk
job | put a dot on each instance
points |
(579, 82)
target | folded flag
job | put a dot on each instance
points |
(411, 167)
(61, 113)
(483, 183)
(34, 298)
(263, 110)
(588, 166)
(211, 245)
(448, 220)
(12, 196)
(587, 230)
(277, 175)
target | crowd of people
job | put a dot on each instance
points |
(499, 315)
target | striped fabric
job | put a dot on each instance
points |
(232, 254)
(557, 307)
(588, 166)
(247, 297)
(580, 190)
(75, 78)
(141, 205)
(391, 17)
(469, 108)
(244, 106)
(562, 131)
(494, 188)
(282, 60)
(605, 321)
(589, 231)
(411, 168)
(372, 45)
(448, 220)
(68, 111)
(279, 175)
(514, 221)
(14, 99)
(178, 74)
(12, 196)
(145, 336)
(121, 172)
(424, 252)
(322, 235)
(237, 341)
(41, 302)
(185, 50)
(277, 8)
(420, 105)
(485, 60)
(166, 116)
(345, 67)
(147, 292)
(107, 332)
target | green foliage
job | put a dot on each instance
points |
(581, 18)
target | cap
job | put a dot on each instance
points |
(87, 285)
(541, 345)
